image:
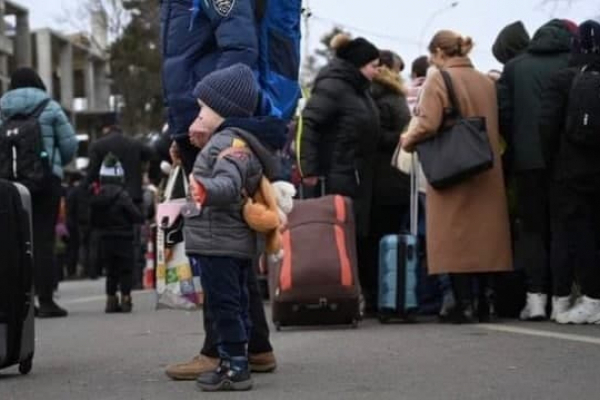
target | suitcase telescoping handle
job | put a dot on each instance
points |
(322, 188)
(414, 196)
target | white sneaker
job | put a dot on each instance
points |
(535, 309)
(586, 311)
(560, 305)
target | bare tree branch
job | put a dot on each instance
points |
(552, 6)
(80, 18)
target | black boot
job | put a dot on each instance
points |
(49, 309)
(485, 307)
(112, 305)
(126, 304)
(231, 375)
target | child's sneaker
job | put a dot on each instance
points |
(586, 311)
(535, 309)
(126, 304)
(560, 305)
(112, 305)
(225, 378)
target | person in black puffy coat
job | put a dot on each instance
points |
(340, 138)
(574, 169)
(341, 126)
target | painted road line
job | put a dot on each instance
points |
(540, 333)
(92, 299)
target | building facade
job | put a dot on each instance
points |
(74, 68)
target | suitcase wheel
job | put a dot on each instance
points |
(25, 366)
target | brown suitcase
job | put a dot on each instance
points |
(317, 281)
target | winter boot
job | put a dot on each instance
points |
(126, 304)
(112, 305)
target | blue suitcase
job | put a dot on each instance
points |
(398, 267)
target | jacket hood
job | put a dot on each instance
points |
(387, 81)
(554, 37)
(271, 131)
(107, 196)
(22, 100)
(511, 41)
(263, 135)
(341, 69)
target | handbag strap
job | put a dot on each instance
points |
(451, 93)
(414, 195)
(175, 173)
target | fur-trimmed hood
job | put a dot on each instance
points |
(388, 81)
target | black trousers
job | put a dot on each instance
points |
(576, 235)
(533, 209)
(73, 246)
(117, 258)
(259, 336)
(44, 215)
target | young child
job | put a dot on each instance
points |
(113, 216)
(228, 169)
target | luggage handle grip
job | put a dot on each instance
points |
(322, 186)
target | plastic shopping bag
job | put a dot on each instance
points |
(178, 283)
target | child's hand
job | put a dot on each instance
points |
(197, 190)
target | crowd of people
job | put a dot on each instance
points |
(537, 207)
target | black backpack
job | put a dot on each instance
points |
(583, 112)
(23, 156)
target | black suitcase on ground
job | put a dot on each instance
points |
(16, 278)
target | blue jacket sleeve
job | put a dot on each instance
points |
(235, 34)
(65, 136)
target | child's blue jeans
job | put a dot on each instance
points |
(224, 281)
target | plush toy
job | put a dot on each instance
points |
(267, 211)
(284, 193)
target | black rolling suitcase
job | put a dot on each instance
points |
(16, 278)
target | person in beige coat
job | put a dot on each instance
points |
(468, 232)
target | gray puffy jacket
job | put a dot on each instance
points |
(219, 229)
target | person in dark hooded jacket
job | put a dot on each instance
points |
(575, 196)
(113, 216)
(519, 96)
(511, 42)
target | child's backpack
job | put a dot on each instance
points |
(23, 157)
(279, 53)
(583, 111)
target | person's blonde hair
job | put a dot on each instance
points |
(452, 44)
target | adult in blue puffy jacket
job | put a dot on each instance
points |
(199, 37)
(25, 93)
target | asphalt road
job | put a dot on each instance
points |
(94, 356)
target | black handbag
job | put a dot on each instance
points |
(459, 151)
